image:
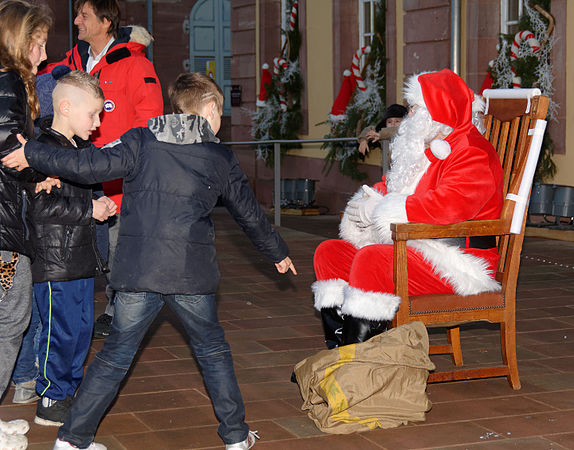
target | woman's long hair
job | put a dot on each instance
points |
(19, 22)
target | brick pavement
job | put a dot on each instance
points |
(271, 325)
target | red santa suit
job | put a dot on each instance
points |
(457, 179)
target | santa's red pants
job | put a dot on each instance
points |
(371, 268)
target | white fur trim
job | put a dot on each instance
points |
(391, 209)
(337, 118)
(478, 104)
(260, 103)
(347, 73)
(328, 293)
(413, 92)
(140, 35)
(467, 274)
(440, 148)
(351, 232)
(265, 66)
(370, 305)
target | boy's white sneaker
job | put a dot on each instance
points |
(63, 445)
(18, 426)
(246, 444)
(13, 441)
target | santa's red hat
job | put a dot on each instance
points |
(448, 100)
(344, 96)
(265, 81)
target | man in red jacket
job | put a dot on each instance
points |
(115, 55)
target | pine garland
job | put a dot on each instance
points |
(365, 108)
(534, 70)
(270, 122)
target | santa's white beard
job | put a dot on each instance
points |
(408, 159)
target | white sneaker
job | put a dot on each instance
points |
(63, 445)
(18, 426)
(13, 441)
(246, 444)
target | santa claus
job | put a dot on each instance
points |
(443, 171)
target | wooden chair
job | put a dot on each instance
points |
(508, 123)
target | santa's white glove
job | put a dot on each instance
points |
(360, 211)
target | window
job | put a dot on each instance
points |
(510, 12)
(366, 22)
(210, 44)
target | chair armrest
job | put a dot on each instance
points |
(406, 231)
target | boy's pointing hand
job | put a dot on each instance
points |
(286, 265)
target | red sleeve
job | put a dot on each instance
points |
(381, 186)
(465, 186)
(144, 92)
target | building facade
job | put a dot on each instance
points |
(232, 39)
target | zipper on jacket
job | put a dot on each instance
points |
(102, 266)
(67, 239)
(24, 210)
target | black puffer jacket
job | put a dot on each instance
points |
(65, 230)
(174, 171)
(16, 231)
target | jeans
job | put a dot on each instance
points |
(26, 368)
(133, 315)
(113, 232)
(15, 306)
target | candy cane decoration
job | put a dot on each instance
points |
(532, 42)
(293, 16)
(355, 66)
(279, 65)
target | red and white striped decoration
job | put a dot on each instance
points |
(532, 42)
(279, 65)
(293, 16)
(356, 66)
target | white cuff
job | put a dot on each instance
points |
(328, 293)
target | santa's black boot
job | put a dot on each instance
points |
(357, 330)
(332, 326)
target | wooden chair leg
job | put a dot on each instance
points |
(503, 343)
(508, 343)
(453, 335)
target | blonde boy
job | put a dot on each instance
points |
(66, 257)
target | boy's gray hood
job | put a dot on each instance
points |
(181, 129)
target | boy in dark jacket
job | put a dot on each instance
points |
(174, 172)
(66, 256)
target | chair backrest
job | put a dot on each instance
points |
(510, 119)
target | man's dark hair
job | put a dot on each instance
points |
(104, 9)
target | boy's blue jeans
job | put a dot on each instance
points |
(133, 315)
(26, 368)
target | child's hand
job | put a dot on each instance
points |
(17, 159)
(48, 184)
(285, 265)
(111, 204)
(372, 136)
(103, 208)
(363, 147)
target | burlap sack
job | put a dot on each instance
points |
(378, 383)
